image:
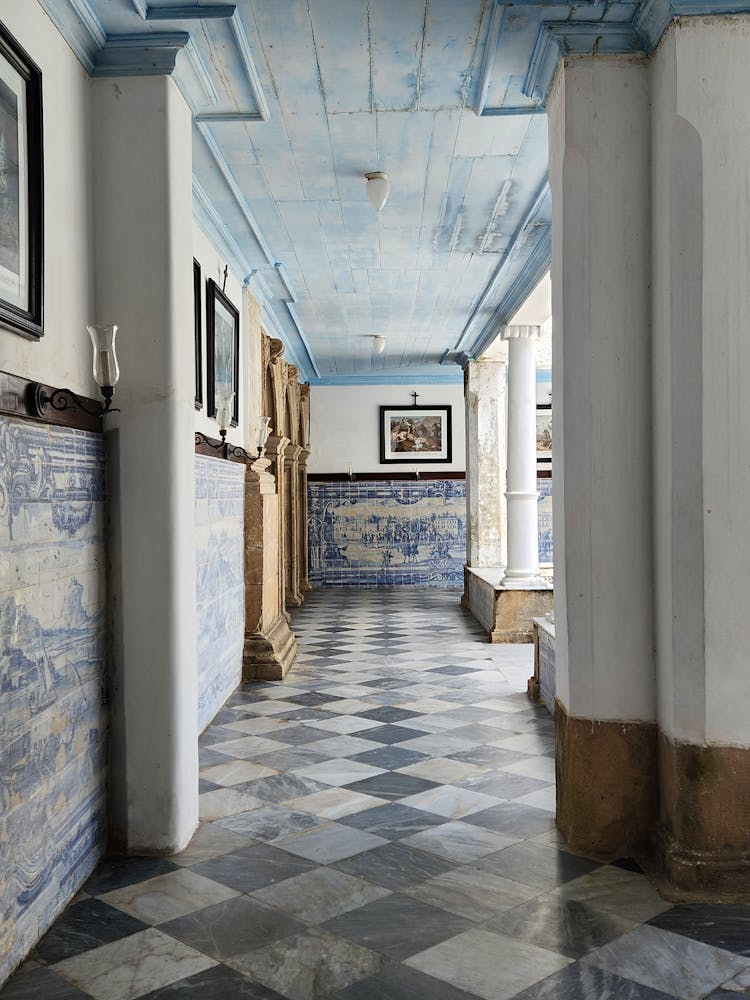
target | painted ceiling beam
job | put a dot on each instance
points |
(140, 55)
(189, 12)
(445, 377)
(80, 26)
(212, 117)
(488, 56)
(654, 16)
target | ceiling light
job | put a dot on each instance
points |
(377, 188)
(378, 344)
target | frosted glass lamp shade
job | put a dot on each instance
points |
(106, 369)
(378, 344)
(378, 188)
(264, 430)
(224, 406)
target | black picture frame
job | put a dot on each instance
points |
(424, 433)
(544, 435)
(198, 332)
(222, 348)
(22, 200)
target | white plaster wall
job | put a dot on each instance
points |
(345, 422)
(212, 266)
(701, 182)
(63, 355)
(599, 164)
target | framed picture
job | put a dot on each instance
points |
(544, 434)
(222, 349)
(415, 434)
(198, 332)
(21, 190)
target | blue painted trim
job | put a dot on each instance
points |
(301, 333)
(257, 283)
(655, 16)
(527, 220)
(141, 8)
(543, 376)
(201, 71)
(534, 269)
(512, 110)
(488, 56)
(79, 26)
(561, 38)
(190, 12)
(140, 55)
(444, 378)
(283, 274)
(213, 225)
(212, 117)
(251, 71)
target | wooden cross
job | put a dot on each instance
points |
(415, 395)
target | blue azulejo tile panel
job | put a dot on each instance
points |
(220, 581)
(53, 705)
(544, 510)
(377, 534)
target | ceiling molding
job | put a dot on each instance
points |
(215, 228)
(303, 339)
(141, 8)
(140, 54)
(214, 117)
(488, 56)
(446, 377)
(654, 16)
(80, 26)
(566, 38)
(251, 70)
(201, 73)
(189, 12)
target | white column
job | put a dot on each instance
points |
(484, 394)
(141, 169)
(522, 569)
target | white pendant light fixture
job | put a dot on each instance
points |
(378, 188)
(378, 344)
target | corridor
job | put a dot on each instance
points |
(381, 827)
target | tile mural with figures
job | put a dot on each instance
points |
(378, 534)
(53, 703)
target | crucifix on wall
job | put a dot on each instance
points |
(415, 396)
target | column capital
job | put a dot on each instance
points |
(526, 332)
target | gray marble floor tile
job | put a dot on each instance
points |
(459, 842)
(333, 803)
(310, 966)
(489, 965)
(514, 820)
(132, 966)
(444, 770)
(210, 841)
(253, 868)
(291, 758)
(84, 925)
(391, 757)
(537, 865)
(579, 982)
(393, 820)
(341, 746)
(320, 894)
(395, 866)
(282, 787)
(218, 983)
(330, 842)
(235, 772)
(268, 823)
(394, 733)
(724, 926)
(669, 962)
(116, 872)
(227, 931)
(397, 926)
(340, 771)
(472, 893)
(509, 786)
(451, 801)
(225, 802)
(294, 734)
(168, 896)
(40, 984)
(617, 891)
(399, 982)
(392, 785)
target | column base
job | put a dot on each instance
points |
(507, 614)
(607, 785)
(703, 838)
(294, 600)
(305, 586)
(269, 654)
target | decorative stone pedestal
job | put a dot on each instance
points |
(507, 614)
(270, 646)
(543, 685)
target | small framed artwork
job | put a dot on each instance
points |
(222, 349)
(198, 332)
(21, 190)
(544, 435)
(415, 434)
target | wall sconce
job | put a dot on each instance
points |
(224, 407)
(378, 188)
(378, 344)
(264, 429)
(106, 376)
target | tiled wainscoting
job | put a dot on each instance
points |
(544, 508)
(220, 581)
(384, 533)
(53, 710)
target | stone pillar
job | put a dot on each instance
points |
(143, 234)
(599, 176)
(291, 527)
(701, 359)
(270, 647)
(275, 449)
(302, 557)
(522, 568)
(484, 394)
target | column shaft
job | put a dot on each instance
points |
(485, 462)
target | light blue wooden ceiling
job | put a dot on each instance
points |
(295, 100)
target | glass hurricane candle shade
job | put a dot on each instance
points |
(263, 431)
(106, 369)
(224, 407)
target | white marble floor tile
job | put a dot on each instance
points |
(223, 802)
(340, 771)
(168, 896)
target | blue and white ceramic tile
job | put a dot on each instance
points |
(220, 581)
(387, 534)
(53, 710)
(544, 509)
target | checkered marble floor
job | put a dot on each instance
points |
(381, 827)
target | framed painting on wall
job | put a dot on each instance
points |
(544, 435)
(21, 190)
(198, 333)
(222, 349)
(415, 434)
